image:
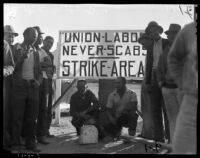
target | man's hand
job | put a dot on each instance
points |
(83, 113)
(8, 70)
(160, 84)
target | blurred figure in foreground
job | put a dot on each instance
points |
(183, 67)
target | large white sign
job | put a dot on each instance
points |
(101, 54)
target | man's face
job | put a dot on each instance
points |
(32, 37)
(48, 44)
(154, 33)
(39, 39)
(81, 86)
(171, 36)
(9, 38)
(147, 43)
(119, 84)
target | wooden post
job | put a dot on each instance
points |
(58, 94)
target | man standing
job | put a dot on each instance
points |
(154, 30)
(9, 65)
(147, 128)
(45, 63)
(47, 45)
(169, 88)
(120, 111)
(84, 106)
(183, 67)
(25, 91)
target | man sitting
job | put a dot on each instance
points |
(120, 111)
(84, 106)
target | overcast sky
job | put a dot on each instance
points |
(54, 17)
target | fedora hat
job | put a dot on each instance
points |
(142, 37)
(38, 29)
(173, 28)
(9, 29)
(153, 24)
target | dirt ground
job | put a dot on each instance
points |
(66, 141)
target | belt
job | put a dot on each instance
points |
(170, 86)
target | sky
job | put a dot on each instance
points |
(55, 17)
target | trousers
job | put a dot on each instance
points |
(43, 105)
(185, 135)
(7, 117)
(172, 99)
(25, 102)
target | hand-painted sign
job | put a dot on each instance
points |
(101, 54)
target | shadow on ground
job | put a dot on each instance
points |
(68, 144)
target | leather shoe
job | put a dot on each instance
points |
(42, 140)
(131, 132)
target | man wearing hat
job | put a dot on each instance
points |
(25, 99)
(9, 64)
(147, 127)
(45, 62)
(154, 31)
(169, 88)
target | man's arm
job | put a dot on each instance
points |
(132, 104)
(8, 62)
(73, 107)
(19, 55)
(176, 57)
(161, 69)
(110, 109)
(94, 101)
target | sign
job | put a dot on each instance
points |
(101, 54)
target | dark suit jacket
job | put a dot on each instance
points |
(149, 61)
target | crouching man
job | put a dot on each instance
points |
(120, 112)
(84, 107)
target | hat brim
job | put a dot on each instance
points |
(14, 33)
(158, 26)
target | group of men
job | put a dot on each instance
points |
(120, 110)
(168, 94)
(28, 89)
(170, 82)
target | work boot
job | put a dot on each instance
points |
(32, 147)
(48, 135)
(131, 132)
(42, 140)
(78, 131)
(16, 149)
